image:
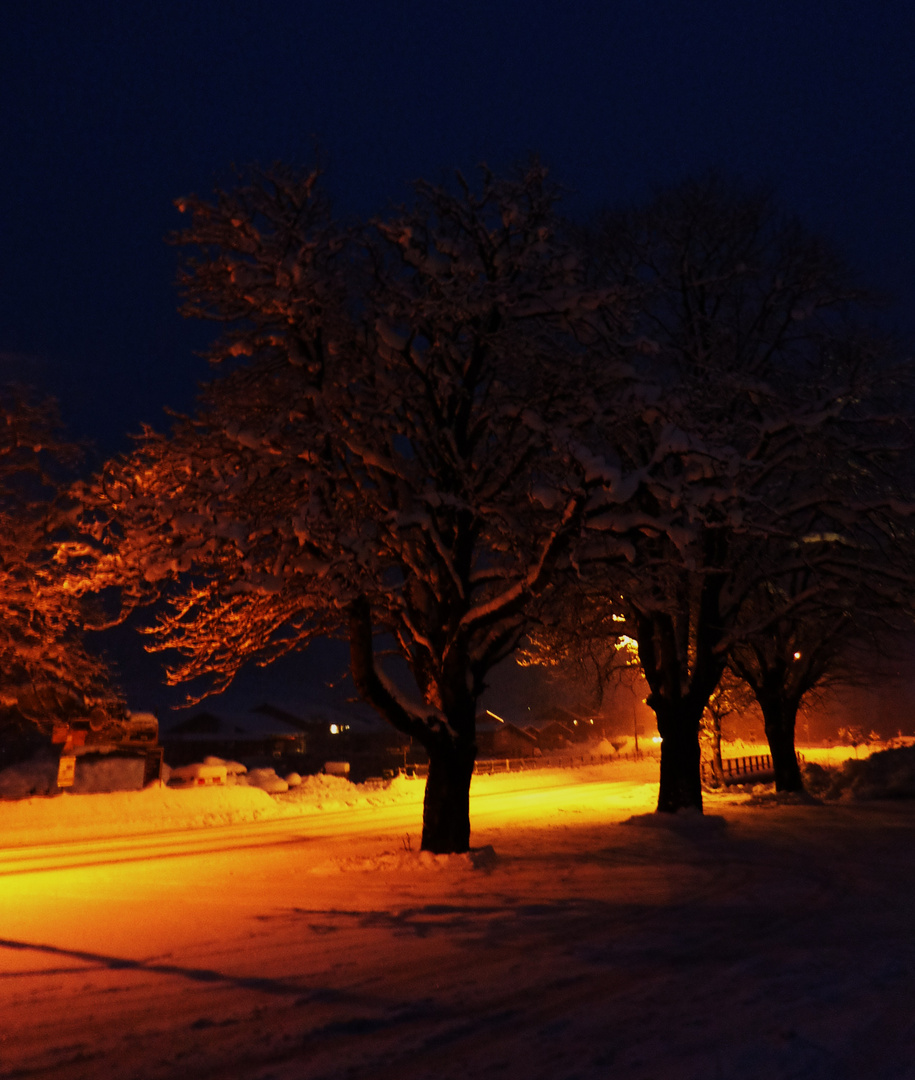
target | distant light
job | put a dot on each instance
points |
(334, 729)
(797, 656)
(489, 712)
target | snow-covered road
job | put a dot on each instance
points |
(761, 942)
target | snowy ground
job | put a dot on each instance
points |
(232, 934)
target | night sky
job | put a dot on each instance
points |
(110, 111)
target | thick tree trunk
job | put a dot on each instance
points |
(780, 718)
(679, 695)
(446, 806)
(451, 744)
(681, 773)
(681, 781)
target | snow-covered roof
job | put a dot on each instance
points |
(311, 716)
(206, 724)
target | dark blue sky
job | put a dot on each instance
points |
(109, 111)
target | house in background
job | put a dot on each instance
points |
(555, 736)
(252, 738)
(501, 738)
(270, 734)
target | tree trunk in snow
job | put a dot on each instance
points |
(680, 691)
(780, 717)
(681, 774)
(446, 806)
(451, 746)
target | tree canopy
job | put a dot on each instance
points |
(763, 442)
(424, 428)
(46, 672)
(392, 452)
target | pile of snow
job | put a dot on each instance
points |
(265, 779)
(326, 792)
(161, 808)
(886, 774)
(818, 779)
(156, 808)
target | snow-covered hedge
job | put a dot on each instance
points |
(886, 774)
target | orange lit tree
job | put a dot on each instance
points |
(46, 673)
(732, 698)
(392, 452)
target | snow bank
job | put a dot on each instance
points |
(265, 779)
(155, 809)
(159, 808)
(325, 792)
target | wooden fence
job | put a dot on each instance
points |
(756, 768)
(752, 769)
(489, 766)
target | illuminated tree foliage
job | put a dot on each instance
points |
(732, 697)
(46, 673)
(392, 453)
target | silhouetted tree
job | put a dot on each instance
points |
(836, 598)
(732, 696)
(741, 320)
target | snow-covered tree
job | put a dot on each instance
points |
(732, 697)
(46, 674)
(742, 321)
(390, 453)
(834, 588)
